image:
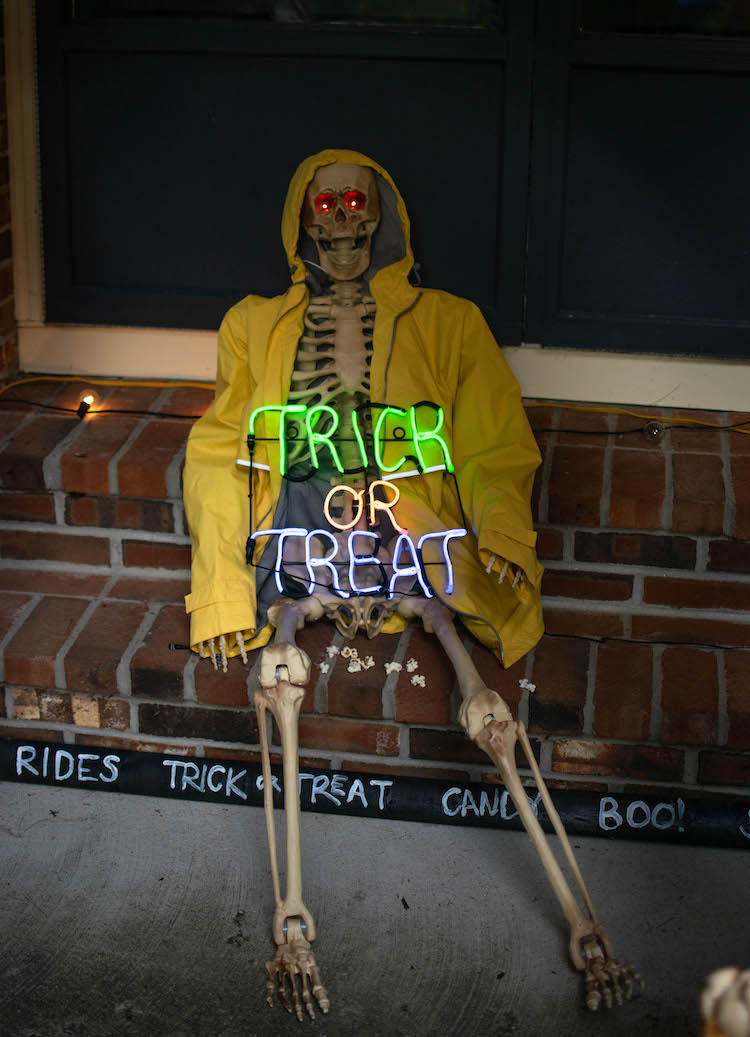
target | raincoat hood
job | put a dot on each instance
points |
(391, 258)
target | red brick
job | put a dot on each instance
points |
(636, 549)
(582, 624)
(542, 441)
(144, 589)
(444, 744)
(560, 675)
(497, 678)
(566, 583)
(154, 670)
(650, 763)
(698, 494)
(691, 631)
(432, 703)
(637, 489)
(149, 555)
(738, 699)
(30, 656)
(121, 513)
(622, 699)
(10, 608)
(114, 714)
(701, 440)
(127, 396)
(741, 480)
(360, 694)
(549, 544)
(594, 424)
(542, 416)
(85, 464)
(348, 735)
(575, 486)
(136, 744)
(216, 725)
(689, 696)
(28, 507)
(29, 734)
(22, 459)
(739, 439)
(142, 471)
(404, 771)
(188, 400)
(629, 428)
(50, 706)
(724, 769)
(44, 582)
(696, 594)
(253, 756)
(54, 547)
(728, 556)
(219, 688)
(91, 663)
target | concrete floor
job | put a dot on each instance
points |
(122, 915)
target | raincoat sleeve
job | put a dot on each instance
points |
(222, 600)
(495, 455)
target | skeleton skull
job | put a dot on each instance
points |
(341, 213)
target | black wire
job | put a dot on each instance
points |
(108, 410)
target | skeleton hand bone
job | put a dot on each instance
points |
(606, 979)
(295, 963)
(240, 641)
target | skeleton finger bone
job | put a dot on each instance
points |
(241, 645)
(223, 652)
(212, 651)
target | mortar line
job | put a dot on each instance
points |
(388, 694)
(172, 474)
(667, 508)
(723, 722)
(655, 721)
(729, 523)
(51, 468)
(545, 755)
(122, 673)
(320, 694)
(188, 678)
(83, 619)
(10, 436)
(690, 770)
(178, 518)
(112, 477)
(15, 626)
(701, 559)
(588, 705)
(523, 702)
(98, 531)
(58, 499)
(609, 453)
(549, 453)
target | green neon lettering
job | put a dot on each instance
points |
(358, 437)
(284, 413)
(378, 452)
(322, 438)
(424, 435)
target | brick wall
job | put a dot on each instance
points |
(641, 679)
(8, 333)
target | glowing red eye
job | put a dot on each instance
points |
(325, 203)
(355, 201)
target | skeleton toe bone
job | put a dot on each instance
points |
(295, 964)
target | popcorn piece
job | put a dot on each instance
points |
(324, 667)
(412, 665)
(349, 653)
(418, 679)
(393, 667)
(526, 685)
(355, 665)
(368, 662)
(332, 650)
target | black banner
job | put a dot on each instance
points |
(716, 822)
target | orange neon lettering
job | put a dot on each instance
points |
(379, 505)
(357, 495)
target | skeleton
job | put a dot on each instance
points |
(341, 213)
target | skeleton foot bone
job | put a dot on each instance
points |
(295, 964)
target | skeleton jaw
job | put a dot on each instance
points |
(344, 258)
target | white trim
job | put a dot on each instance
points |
(390, 476)
(575, 375)
(20, 55)
(255, 464)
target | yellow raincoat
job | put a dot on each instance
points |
(427, 345)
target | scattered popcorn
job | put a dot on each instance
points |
(349, 653)
(418, 679)
(368, 662)
(324, 667)
(355, 665)
(412, 665)
(332, 650)
(526, 685)
(392, 667)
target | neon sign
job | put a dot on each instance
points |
(310, 418)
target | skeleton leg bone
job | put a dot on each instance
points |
(488, 722)
(293, 925)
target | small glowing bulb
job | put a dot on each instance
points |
(84, 405)
(88, 399)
